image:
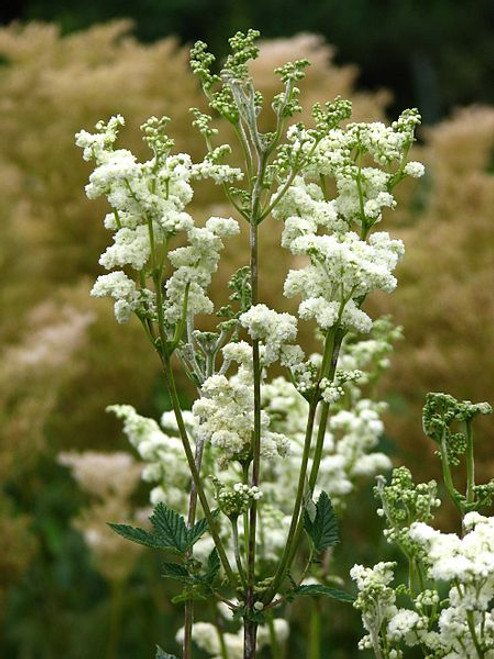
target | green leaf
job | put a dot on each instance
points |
(323, 529)
(161, 654)
(136, 535)
(317, 590)
(309, 505)
(177, 572)
(213, 567)
(170, 528)
(169, 531)
(196, 531)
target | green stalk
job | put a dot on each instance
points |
(191, 517)
(296, 525)
(170, 381)
(236, 551)
(470, 495)
(284, 562)
(473, 633)
(224, 649)
(250, 629)
(321, 435)
(314, 647)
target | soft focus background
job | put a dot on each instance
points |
(67, 587)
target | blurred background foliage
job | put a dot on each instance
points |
(63, 356)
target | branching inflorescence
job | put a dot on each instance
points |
(267, 449)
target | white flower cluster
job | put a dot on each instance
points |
(346, 263)
(349, 445)
(343, 268)
(376, 600)
(148, 203)
(272, 328)
(463, 625)
(163, 453)
(349, 452)
(194, 265)
(225, 413)
(467, 565)
(128, 298)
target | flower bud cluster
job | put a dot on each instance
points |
(403, 503)
(237, 499)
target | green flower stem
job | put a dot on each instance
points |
(336, 340)
(250, 635)
(244, 143)
(314, 646)
(236, 551)
(245, 481)
(447, 477)
(330, 358)
(321, 435)
(470, 495)
(363, 217)
(250, 628)
(473, 633)
(191, 518)
(292, 531)
(280, 194)
(170, 381)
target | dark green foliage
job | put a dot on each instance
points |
(177, 572)
(213, 567)
(169, 531)
(434, 54)
(323, 528)
(320, 590)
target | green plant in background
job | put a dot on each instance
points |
(445, 608)
(285, 173)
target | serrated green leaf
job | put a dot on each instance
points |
(323, 530)
(161, 654)
(309, 505)
(136, 535)
(177, 572)
(196, 531)
(320, 590)
(213, 567)
(170, 529)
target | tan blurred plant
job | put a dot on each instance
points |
(446, 296)
(34, 370)
(50, 86)
(110, 480)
